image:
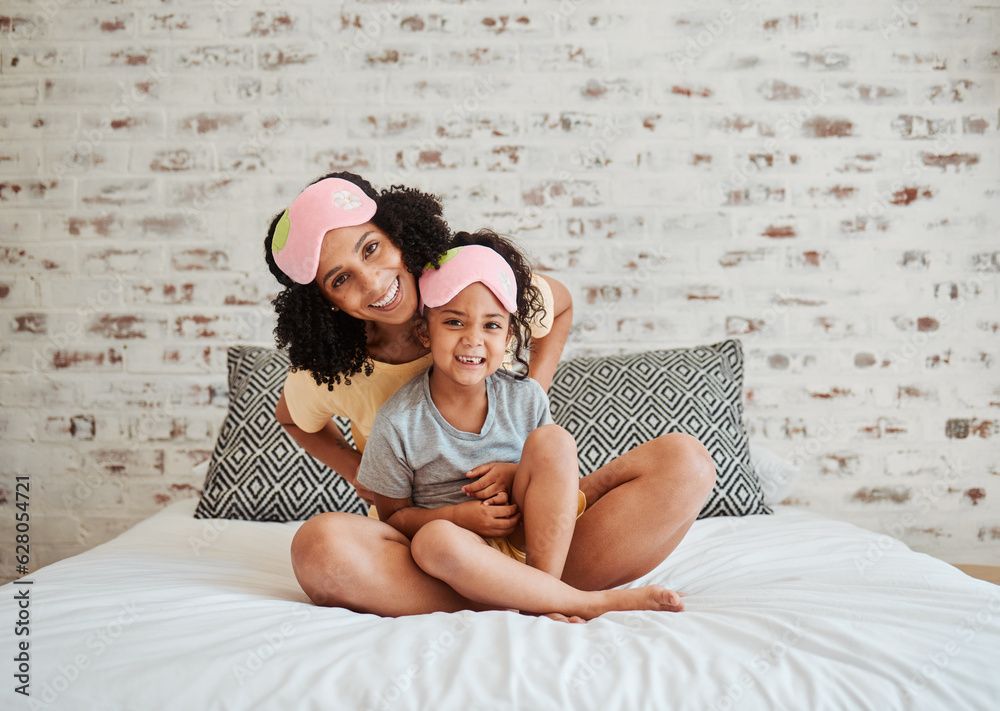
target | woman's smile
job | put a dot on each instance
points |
(362, 274)
(389, 297)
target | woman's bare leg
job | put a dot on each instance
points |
(346, 560)
(463, 560)
(640, 507)
(546, 488)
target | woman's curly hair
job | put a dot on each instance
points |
(330, 344)
(530, 304)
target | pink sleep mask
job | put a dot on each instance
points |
(461, 266)
(323, 206)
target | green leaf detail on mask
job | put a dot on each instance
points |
(281, 233)
(447, 256)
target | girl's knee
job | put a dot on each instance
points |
(435, 547)
(551, 441)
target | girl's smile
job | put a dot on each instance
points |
(468, 338)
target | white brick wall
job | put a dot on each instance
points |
(820, 180)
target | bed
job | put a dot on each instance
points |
(785, 610)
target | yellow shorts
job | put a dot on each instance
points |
(511, 551)
(502, 544)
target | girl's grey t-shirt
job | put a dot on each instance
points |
(413, 452)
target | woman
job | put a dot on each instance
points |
(348, 258)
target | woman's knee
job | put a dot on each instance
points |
(325, 555)
(689, 458)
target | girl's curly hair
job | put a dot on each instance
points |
(530, 304)
(330, 344)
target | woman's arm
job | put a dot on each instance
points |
(328, 446)
(546, 351)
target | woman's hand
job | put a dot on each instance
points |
(546, 351)
(493, 518)
(364, 493)
(491, 479)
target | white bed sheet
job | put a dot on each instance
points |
(791, 611)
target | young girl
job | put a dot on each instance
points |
(443, 423)
(348, 258)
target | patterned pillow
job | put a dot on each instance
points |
(257, 471)
(611, 404)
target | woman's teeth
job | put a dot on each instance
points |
(390, 295)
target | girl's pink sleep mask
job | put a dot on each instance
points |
(461, 266)
(323, 206)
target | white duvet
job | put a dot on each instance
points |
(790, 611)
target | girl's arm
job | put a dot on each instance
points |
(488, 519)
(546, 351)
(328, 446)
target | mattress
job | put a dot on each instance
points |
(790, 611)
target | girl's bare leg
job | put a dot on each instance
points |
(545, 489)
(346, 560)
(640, 507)
(463, 560)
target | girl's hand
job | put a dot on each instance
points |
(492, 479)
(490, 519)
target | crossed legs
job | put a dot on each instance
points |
(640, 507)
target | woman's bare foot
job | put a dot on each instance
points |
(651, 597)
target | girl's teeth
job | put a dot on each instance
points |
(390, 296)
(467, 359)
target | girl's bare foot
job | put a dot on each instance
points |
(651, 597)
(559, 617)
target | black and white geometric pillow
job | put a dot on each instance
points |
(614, 403)
(257, 471)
